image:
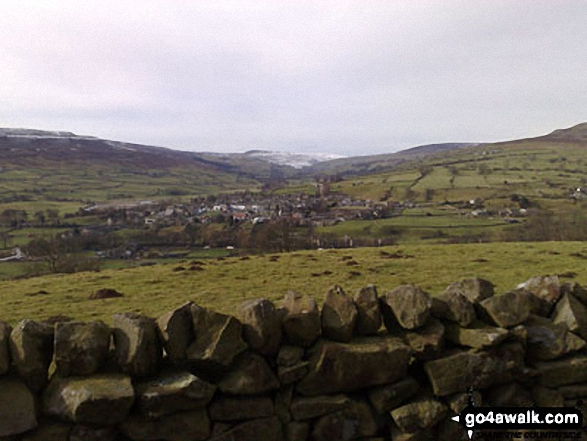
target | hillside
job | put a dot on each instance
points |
(59, 170)
(368, 164)
(527, 189)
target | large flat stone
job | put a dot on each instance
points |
(344, 367)
(17, 407)
(459, 371)
(479, 335)
(101, 399)
(172, 392)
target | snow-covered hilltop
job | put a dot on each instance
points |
(35, 134)
(296, 160)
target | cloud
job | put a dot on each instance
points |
(349, 77)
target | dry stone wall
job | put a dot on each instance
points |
(394, 366)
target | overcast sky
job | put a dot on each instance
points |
(346, 77)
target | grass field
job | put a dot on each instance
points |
(223, 284)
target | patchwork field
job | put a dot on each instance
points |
(223, 283)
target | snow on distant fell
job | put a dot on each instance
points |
(36, 134)
(295, 160)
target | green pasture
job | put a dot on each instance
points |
(223, 284)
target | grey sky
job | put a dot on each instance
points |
(347, 77)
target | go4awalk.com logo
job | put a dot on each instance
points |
(522, 423)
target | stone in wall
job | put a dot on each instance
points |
(454, 307)
(339, 315)
(301, 320)
(31, 350)
(17, 407)
(306, 408)
(576, 290)
(100, 399)
(573, 391)
(369, 315)
(419, 415)
(459, 401)
(82, 432)
(562, 372)
(177, 331)
(460, 370)
(328, 391)
(344, 367)
(421, 435)
(81, 348)
(426, 342)
(509, 395)
(296, 431)
(266, 429)
(355, 421)
(172, 392)
(390, 396)
(137, 343)
(546, 397)
(509, 309)
(572, 313)
(475, 289)
(250, 375)
(5, 330)
(282, 402)
(217, 340)
(546, 340)
(546, 289)
(291, 374)
(52, 431)
(192, 425)
(290, 366)
(261, 325)
(410, 305)
(227, 408)
(479, 336)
